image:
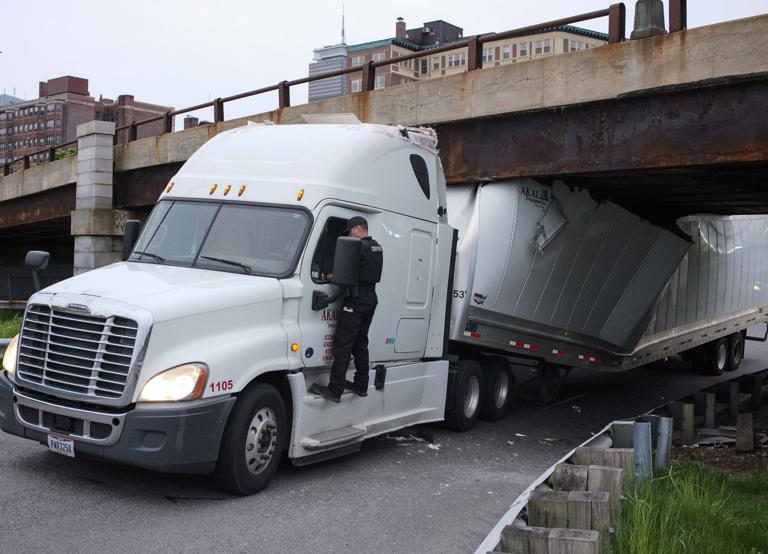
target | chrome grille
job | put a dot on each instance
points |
(77, 353)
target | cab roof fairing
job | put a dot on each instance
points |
(363, 164)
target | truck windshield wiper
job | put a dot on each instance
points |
(151, 255)
(248, 269)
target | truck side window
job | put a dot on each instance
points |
(322, 260)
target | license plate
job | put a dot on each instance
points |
(60, 445)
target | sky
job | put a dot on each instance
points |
(183, 53)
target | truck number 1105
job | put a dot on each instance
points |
(219, 386)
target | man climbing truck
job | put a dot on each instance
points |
(196, 353)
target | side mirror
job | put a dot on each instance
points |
(346, 262)
(346, 266)
(37, 260)
(130, 236)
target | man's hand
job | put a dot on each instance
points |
(329, 277)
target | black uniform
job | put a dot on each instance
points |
(351, 338)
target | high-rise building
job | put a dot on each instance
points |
(328, 58)
(29, 126)
(6, 99)
(439, 33)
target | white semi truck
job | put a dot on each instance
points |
(196, 353)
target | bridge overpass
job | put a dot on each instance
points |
(665, 126)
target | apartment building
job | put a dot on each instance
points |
(432, 34)
(29, 126)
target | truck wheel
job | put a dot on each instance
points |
(466, 392)
(253, 441)
(717, 356)
(735, 351)
(497, 388)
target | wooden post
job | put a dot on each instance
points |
(573, 541)
(729, 393)
(745, 436)
(548, 509)
(569, 477)
(687, 425)
(675, 411)
(753, 384)
(610, 480)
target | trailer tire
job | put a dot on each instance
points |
(253, 441)
(717, 356)
(498, 383)
(465, 395)
(735, 351)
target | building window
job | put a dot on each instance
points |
(506, 52)
(357, 85)
(542, 47)
(424, 66)
(523, 49)
(456, 60)
(575, 45)
(378, 57)
(380, 81)
(436, 62)
(487, 54)
(358, 60)
(407, 63)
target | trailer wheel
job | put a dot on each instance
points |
(717, 356)
(498, 382)
(735, 351)
(465, 395)
(253, 441)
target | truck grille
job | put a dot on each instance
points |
(76, 353)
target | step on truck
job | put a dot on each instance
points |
(195, 354)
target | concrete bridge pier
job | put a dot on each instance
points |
(97, 241)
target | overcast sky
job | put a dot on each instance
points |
(182, 53)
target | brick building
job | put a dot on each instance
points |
(64, 103)
(438, 33)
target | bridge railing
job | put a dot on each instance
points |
(616, 14)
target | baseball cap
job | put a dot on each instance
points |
(354, 221)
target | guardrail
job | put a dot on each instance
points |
(616, 14)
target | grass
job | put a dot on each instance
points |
(10, 323)
(695, 509)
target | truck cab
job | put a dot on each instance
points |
(195, 354)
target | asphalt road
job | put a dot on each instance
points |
(426, 489)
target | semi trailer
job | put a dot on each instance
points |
(196, 352)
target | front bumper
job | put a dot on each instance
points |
(182, 439)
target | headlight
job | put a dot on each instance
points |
(185, 382)
(9, 358)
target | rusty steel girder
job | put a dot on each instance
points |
(670, 141)
(141, 187)
(52, 204)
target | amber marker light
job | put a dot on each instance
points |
(226, 189)
(213, 189)
(170, 186)
(294, 347)
(241, 191)
(301, 195)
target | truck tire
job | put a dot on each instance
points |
(465, 395)
(735, 351)
(253, 440)
(717, 356)
(498, 382)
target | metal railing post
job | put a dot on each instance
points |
(6, 169)
(369, 76)
(474, 54)
(284, 95)
(168, 123)
(218, 110)
(26, 161)
(133, 131)
(617, 22)
(51, 153)
(678, 15)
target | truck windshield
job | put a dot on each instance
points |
(239, 238)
